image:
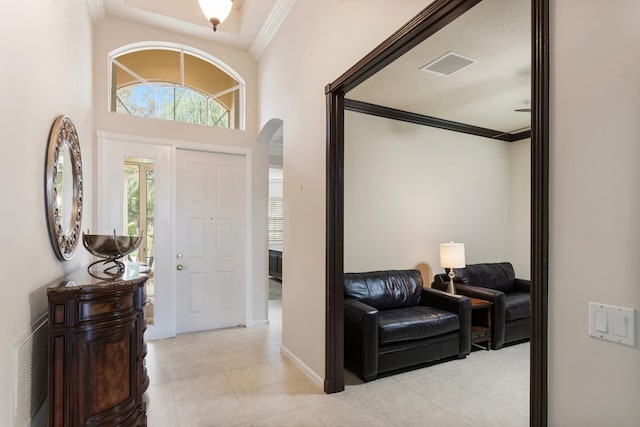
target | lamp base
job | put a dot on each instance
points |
(451, 289)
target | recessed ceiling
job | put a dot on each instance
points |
(494, 32)
(250, 25)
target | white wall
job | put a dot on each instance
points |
(111, 34)
(409, 188)
(318, 42)
(46, 71)
(520, 207)
(595, 208)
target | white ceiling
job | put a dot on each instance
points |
(250, 26)
(497, 34)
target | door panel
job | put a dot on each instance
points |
(210, 235)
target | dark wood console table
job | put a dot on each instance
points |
(97, 372)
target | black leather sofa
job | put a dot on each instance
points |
(496, 282)
(392, 322)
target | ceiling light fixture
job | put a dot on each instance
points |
(216, 11)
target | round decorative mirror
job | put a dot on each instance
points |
(63, 181)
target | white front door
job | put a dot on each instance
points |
(210, 240)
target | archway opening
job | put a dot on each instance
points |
(272, 135)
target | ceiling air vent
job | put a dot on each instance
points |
(449, 64)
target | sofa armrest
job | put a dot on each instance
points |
(497, 299)
(361, 338)
(437, 298)
(522, 285)
(458, 304)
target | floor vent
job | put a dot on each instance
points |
(449, 64)
(30, 374)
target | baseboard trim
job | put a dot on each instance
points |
(303, 367)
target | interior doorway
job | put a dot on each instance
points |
(272, 135)
(429, 21)
(276, 234)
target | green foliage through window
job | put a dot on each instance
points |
(140, 195)
(171, 102)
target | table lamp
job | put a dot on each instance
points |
(452, 256)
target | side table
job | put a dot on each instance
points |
(480, 329)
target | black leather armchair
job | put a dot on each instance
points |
(392, 322)
(495, 282)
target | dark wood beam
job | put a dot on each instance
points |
(420, 119)
(538, 409)
(334, 323)
(520, 135)
(433, 18)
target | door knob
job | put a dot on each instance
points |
(179, 256)
(179, 267)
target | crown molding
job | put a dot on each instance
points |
(272, 24)
(96, 7)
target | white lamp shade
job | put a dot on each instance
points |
(452, 255)
(218, 9)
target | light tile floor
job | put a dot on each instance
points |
(238, 377)
(275, 304)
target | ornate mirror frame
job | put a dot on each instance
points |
(64, 237)
(431, 19)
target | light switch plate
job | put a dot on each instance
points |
(602, 318)
(612, 323)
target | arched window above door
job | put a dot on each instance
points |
(173, 82)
